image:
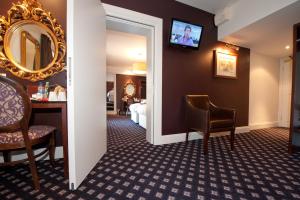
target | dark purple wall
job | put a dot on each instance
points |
(191, 72)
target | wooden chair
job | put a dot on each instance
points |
(15, 133)
(202, 115)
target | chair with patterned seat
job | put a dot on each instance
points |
(15, 133)
(202, 115)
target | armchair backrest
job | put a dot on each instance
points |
(14, 105)
(199, 101)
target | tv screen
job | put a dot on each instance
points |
(185, 34)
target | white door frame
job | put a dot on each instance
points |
(155, 86)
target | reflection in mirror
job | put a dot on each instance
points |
(130, 89)
(32, 47)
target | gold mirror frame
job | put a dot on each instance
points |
(125, 89)
(30, 11)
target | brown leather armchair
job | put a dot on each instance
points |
(202, 115)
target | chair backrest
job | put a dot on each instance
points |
(199, 101)
(14, 105)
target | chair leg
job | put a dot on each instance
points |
(6, 156)
(187, 135)
(232, 132)
(52, 149)
(205, 143)
(32, 166)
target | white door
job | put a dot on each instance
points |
(86, 38)
(285, 92)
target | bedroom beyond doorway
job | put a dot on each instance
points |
(127, 48)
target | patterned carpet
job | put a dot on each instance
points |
(259, 168)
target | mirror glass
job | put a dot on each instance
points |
(130, 89)
(31, 46)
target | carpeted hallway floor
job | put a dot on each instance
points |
(259, 168)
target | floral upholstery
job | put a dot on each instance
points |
(11, 105)
(35, 132)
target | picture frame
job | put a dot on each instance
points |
(225, 64)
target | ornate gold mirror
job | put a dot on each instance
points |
(32, 43)
(129, 89)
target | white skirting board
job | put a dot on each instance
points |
(263, 125)
(22, 154)
(168, 139)
(165, 139)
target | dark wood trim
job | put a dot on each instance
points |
(290, 143)
(293, 149)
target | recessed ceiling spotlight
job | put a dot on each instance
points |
(287, 47)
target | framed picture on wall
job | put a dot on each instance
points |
(225, 64)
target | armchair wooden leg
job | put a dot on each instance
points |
(205, 143)
(6, 156)
(187, 135)
(32, 166)
(52, 149)
(232, 139)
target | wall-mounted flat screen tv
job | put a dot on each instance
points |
(185, 34)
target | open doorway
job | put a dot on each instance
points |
(128, 66)
(92, 104)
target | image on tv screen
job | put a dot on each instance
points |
(185, 34)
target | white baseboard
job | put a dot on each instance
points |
(165, 139)
(22, 154)
(263, 125)
(180, 137)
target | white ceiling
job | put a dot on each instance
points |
(270, 35)
(212, 6)
(124, 49)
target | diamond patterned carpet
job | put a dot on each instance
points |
(258, 168)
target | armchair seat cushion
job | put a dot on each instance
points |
(221, 123)
(35, 132)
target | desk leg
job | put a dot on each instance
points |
(65, 140)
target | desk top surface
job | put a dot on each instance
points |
(47, 102)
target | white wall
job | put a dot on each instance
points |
(110, 77)
(264, 91)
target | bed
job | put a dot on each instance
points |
(141, 110)
(138, 113)
(134, 113)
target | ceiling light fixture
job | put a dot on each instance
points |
(231, 46)
(287, 47)
(139, 68)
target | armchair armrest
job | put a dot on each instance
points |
(196, 118)
(221, 112)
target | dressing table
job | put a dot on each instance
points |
(61, 106)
